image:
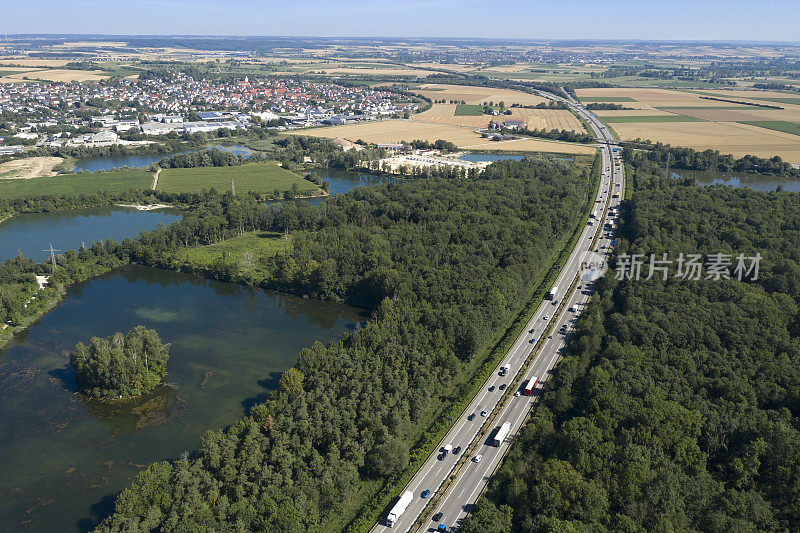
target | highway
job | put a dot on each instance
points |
(473, 476)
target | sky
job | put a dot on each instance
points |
(759, 20)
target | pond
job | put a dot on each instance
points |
(97, 164)
(31, 233)
(342, 181)
(738, 179)
(64, 458)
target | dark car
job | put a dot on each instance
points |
(503, 386)
(425, 493)
(491, 389)
(532, 341)
(471, 417)
(437, 517)
(456, 450)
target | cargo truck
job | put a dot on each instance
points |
(528, 390)
(399, 508)
(552, 294)
(500, 434)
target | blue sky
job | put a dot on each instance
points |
(777, 20)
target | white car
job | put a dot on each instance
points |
(477, 458)
(546, 317)
(517, 394)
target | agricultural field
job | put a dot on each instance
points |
(477, 95)
(262, 178)
(685, 118)
(246, 252)
(120, 181)
(55, 75)
(395, 131)
(548, 119)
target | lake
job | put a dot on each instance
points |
(64, 458)
(33, 232)
(97, 164)
(342, 181)
(738, 179)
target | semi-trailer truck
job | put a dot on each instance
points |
(500, 434)
(528, 390)
(399, 508)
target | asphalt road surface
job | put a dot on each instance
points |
(472, 478)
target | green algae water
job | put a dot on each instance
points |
(64, 458)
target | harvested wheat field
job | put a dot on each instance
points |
(548, 119)
(394, 131)
(727, 137)
(478, 95)
(56, 75)
(24, 62)
(29, 167)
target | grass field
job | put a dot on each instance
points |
(245, 251)
(468, 110)
(652, 118)
(781, 100)
(72, 184)
(777, 125)
(262, 178)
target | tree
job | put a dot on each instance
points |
(291, 382)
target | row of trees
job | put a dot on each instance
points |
(677, 404)
(441, 264)
(650, 158)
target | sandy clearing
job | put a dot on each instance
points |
(30, 167)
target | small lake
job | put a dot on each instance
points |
(32, 233)
(342, 181)
(97, 164)
(64, 458)
(738, 179)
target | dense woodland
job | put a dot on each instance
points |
(120, 366)
(677, 405)
(443, 265)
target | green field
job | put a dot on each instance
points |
(262, 178)
(606, 99)
(788, 100)
(777, 125)
(71, 184)
(652, 118)
(246, 252)
(471, 110)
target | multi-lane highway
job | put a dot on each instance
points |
(455, 502)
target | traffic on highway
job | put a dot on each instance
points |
(540, 342)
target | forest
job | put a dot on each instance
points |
(441, 265)
(120, 366)
(676, 405)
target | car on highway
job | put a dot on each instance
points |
(425, 493)
(572, 310)
(484, 412)
(456, 450)
(517, 394)
(532, 341)
(531, 330)
(471, 417)
(441, 527)
(477, 458)
(503, 386)
(491, 389)
(546, 317)
(436, 517)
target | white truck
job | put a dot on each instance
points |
(552, 294)
(399, 508)
(500, 434)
